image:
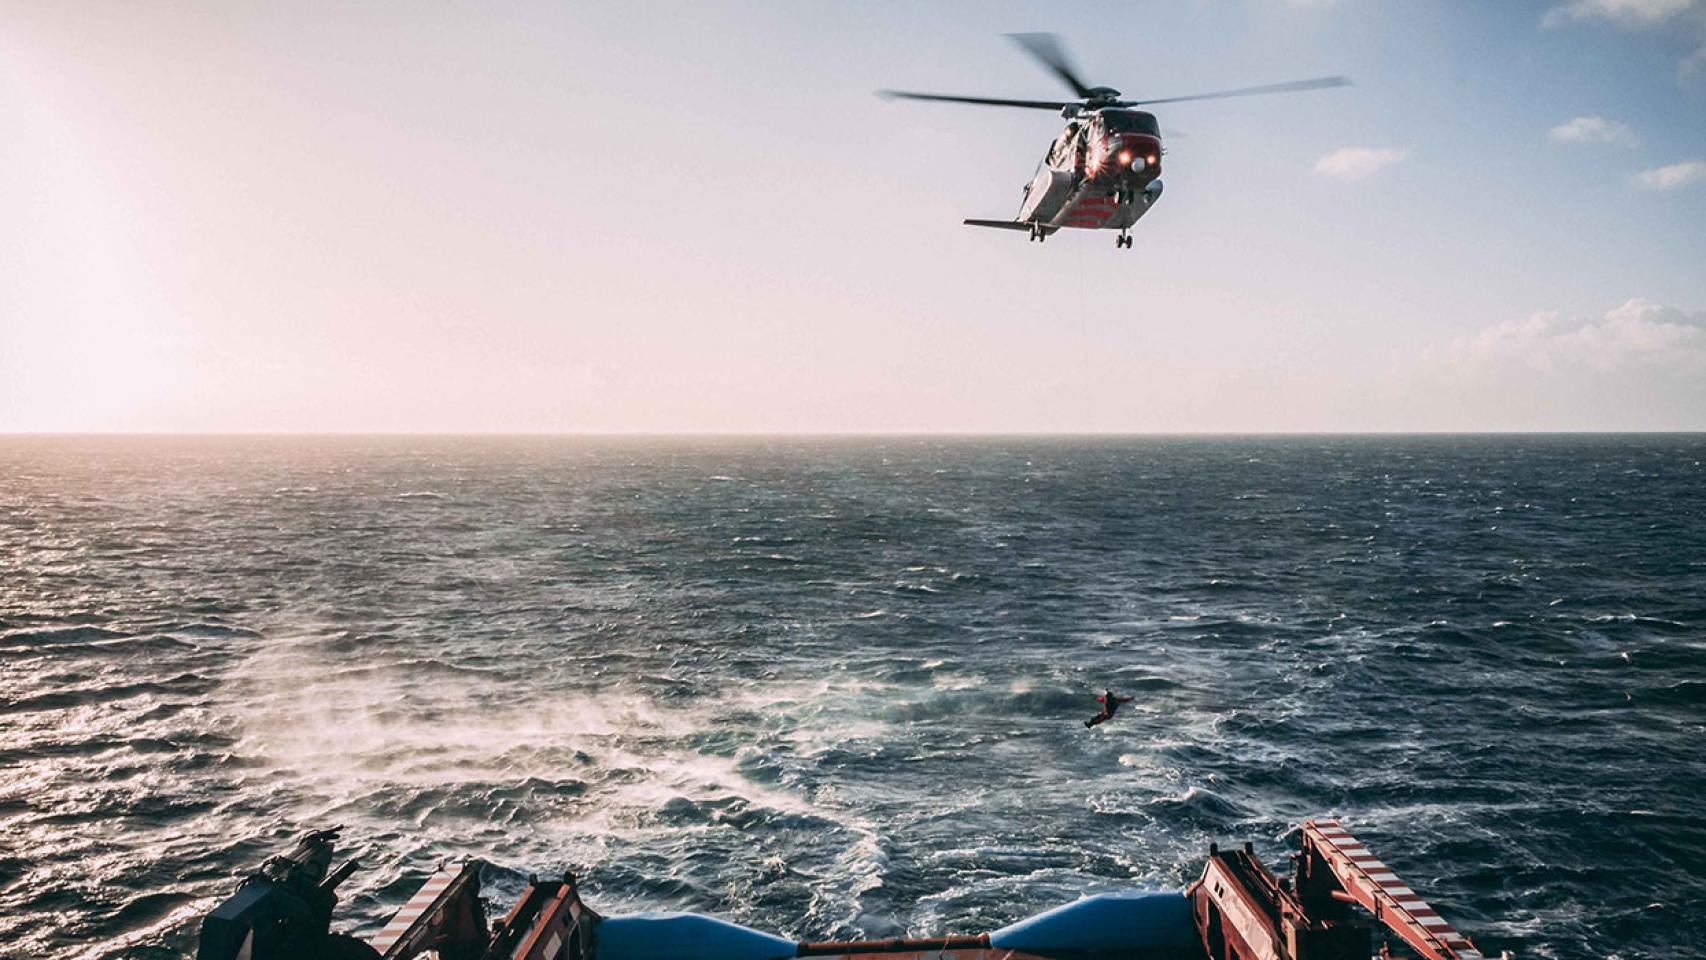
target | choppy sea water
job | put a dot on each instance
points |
(834, 688)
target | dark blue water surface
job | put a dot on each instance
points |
(833, 688)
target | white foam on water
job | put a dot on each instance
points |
(350, 742)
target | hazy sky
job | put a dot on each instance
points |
(697, 217)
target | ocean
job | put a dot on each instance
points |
(835, 687)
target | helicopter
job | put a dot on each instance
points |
(1104, 170)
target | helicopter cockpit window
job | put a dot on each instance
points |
(1060, 154)
(1130, 121)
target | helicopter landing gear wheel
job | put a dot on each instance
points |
(1123, 240)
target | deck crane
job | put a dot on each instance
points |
(1244, 912)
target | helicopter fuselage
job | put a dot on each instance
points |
(1102, 172)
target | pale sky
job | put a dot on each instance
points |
(696, 216)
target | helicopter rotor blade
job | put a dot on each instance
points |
(1046, 48)
(988, 101)
(1319, 83)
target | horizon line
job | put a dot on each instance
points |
(826, 434)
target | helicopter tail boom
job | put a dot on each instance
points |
(1002, 224)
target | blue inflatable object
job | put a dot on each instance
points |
(685, 936)
(1132, 922)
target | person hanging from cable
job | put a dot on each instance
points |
(1110, 704)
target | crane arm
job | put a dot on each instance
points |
(1336, 864)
